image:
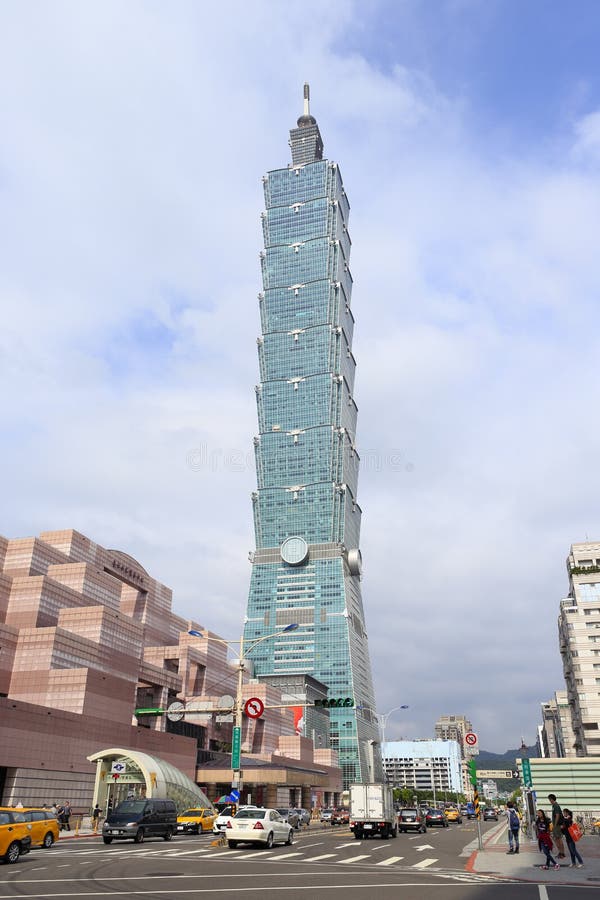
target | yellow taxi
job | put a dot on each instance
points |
(453, 814)
(41, 825)
(44, 826)
(193, 821)
(14, 836)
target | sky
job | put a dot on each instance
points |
(134, 139)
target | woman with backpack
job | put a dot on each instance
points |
(542, 828)
(514, 825)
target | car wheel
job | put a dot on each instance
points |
(107, 840)
(13, 853)
(269, 841)
(48, 840)
(139, 836)
(232, 844)
(290, 838)
(168, 834)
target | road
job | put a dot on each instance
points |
(320, 864)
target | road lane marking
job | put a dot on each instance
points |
(543, 892)
(351, 844)
(354, 858)
(317, 858)
(424, 863)
(388, 862)
(286, 855)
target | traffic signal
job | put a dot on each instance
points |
(472, 769)
(335, 702)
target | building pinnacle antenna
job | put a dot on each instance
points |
(306, 99)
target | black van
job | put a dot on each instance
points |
(139, 819)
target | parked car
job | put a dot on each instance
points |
(411, 819)
(193, 821)
(490, 815)
(140, 819)
(15, 839)
(226, 813)
(258, 826)
(435, 817)
(326, 815)
(290, 816)
(340, 816)
(453, 814)
(44, 827)
(304, 816)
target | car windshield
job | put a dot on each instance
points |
(251, 814)
(284, 812)
(192, 812)
(131, 806)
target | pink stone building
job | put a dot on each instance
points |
(87, 636)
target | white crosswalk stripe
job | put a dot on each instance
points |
(317, 858)
(424, 863)
(390, 861)
(354, 859)
(288, 855)
(341, 846)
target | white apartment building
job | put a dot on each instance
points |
(556, 738)
(579, 639)
(423, 765)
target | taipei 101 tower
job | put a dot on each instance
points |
(307, 565)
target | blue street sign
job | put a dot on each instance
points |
(235, 795)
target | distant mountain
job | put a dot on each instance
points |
(488, 760)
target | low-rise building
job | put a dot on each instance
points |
(423, 765)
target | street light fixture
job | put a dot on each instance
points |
(383, 719)
(236, 774)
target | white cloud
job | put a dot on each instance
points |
(133, 144)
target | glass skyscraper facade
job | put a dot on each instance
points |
(307, 565)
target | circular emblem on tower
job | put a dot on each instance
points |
(294, 551)
(355, 561)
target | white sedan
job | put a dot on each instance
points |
(258, 826)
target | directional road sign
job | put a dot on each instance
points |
(526, 773)
(236, 746)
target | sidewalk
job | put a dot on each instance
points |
(525, 866)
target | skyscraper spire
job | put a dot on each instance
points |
(305, 140)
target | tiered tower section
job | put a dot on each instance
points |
(307, 564)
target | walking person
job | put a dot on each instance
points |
(542, 829)
(576, 860)
(557, 820)
(66, 815)
(96, 813)
(514, 824)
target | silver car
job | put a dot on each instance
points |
(290, 816)
(304, 816)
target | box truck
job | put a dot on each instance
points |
(372, 811)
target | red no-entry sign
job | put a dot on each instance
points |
(254, 708)
(470, 738)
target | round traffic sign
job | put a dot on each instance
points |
(175, 711)
(254, 708)
(470, 738)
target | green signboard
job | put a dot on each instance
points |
(526, 772)
(236, 745)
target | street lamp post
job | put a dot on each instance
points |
(236, 740)
(383, 719)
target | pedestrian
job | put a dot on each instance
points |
(542, 829)
(66, 815)
(557, 820)
(60, 813)
(514, 825)
(96, 813)
(54, 810)
(576, 860)
(19, 805)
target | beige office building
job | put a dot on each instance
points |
(579, 638)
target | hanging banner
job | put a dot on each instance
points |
(298, 719)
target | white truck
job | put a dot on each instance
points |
(372, 811)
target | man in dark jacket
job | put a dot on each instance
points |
(557, 821)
